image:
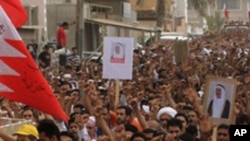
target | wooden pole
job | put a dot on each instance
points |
(79, 39)
(117, 93)
(214, 135)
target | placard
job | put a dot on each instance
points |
(118, 58)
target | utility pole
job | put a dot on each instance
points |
(174, 15)
(79, 39)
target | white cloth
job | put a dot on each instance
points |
(61, 126)
(218, 103)
(166, 110)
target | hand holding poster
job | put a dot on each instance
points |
(118, 58)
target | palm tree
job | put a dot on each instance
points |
(200, 6)
(215, 22)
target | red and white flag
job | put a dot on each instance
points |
(15, 11)
(20, 78)
(226, 12)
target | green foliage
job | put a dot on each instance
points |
(215, 22)
(200, 6)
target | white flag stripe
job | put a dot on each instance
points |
(10, 33)
(8, 51)
(6, 70)
(4, 88)
(7, 31)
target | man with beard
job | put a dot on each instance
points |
(164, 115)
(223, 133)
(124, 116)
(219, 107)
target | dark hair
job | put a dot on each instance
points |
(49, 128)
(174, 122)
(196, 112)
(128, 110)
(182, 115)
(192, 130)
(241, 119)
(28, 108)
(65, 24)
(79, 106)
(223, 126)
(149, 130)
(74, 48)
(138, 134)
(131, 128)
(186, 137)
(71, 120)
(68, 134)
(65, 83)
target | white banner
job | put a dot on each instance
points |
(118, 58)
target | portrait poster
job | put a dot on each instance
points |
(181, 51)
(219, 99)
(118, 58)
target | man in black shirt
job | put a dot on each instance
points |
(44, 58)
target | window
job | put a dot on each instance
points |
(32, 12)
(231, 4)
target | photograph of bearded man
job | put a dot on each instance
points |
(219, 105)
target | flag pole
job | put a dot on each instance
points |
(186, 15)
(117, 92)
(214, 135)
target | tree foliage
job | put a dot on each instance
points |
(215, 22)
(200, 6)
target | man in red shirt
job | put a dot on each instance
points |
(61, 35)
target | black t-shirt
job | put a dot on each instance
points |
(45, 58)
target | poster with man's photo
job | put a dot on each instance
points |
(118, 58)
(219, 99)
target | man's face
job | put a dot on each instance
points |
(121, 116)
(117, 49)
(164, 120)
(149, 136)
(74, 51)
(223, 135)
(105, 114)
(183, 121)
(77, 110)
(192, 117)
(28, 115)
(73, 128)
(64, 89)
(175, 131)
(218, 93)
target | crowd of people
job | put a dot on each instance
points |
(163, 101)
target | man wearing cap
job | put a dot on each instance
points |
(164, 115)
(219, 106)
(26, 132)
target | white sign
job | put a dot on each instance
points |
(118, 58)
(127, 9)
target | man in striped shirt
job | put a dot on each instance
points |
(74, 59)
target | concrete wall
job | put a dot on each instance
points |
(37, 29)
(56, 15)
